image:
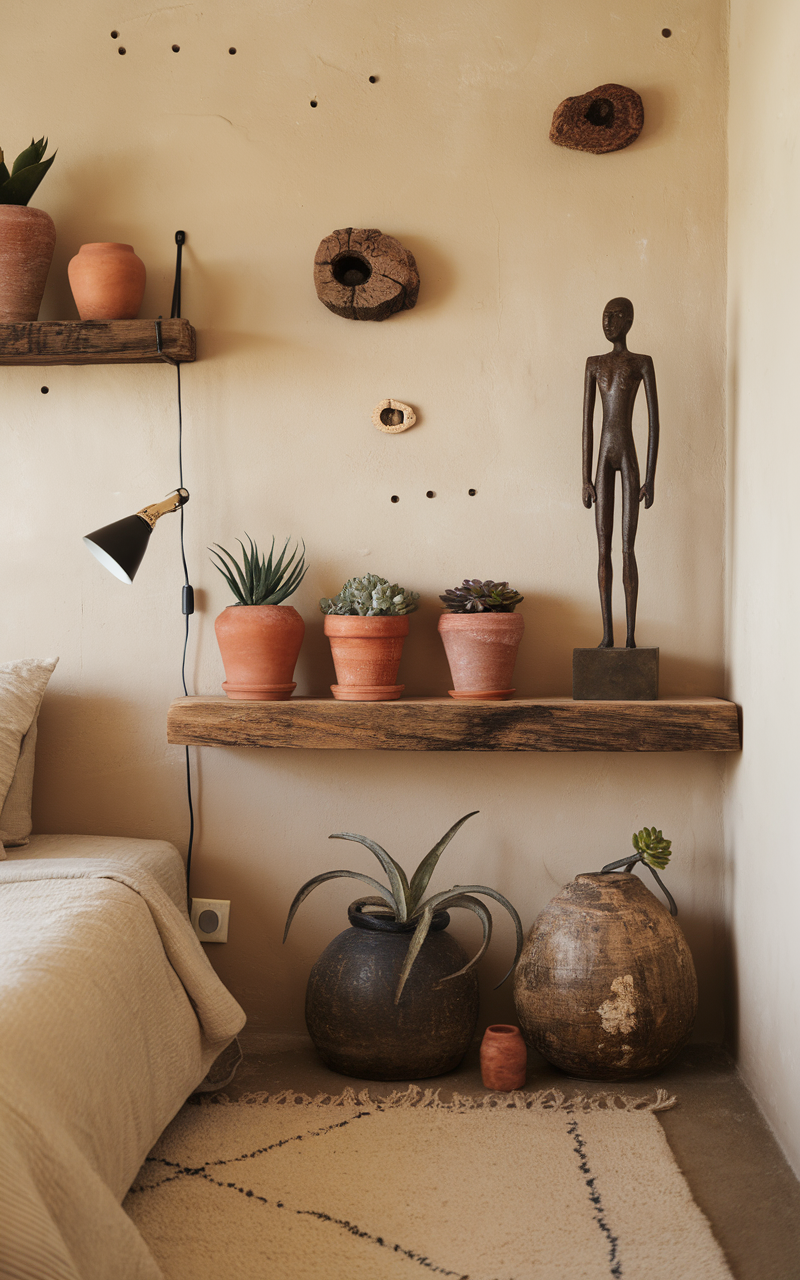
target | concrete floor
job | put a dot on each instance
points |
(735, 1169)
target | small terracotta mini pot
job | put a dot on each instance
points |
(107, 282)
(27, 241)
(504, 1058)
(481, 649)
(366, 654)
(259, 644)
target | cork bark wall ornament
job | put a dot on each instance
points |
(365, 275)
(607, 118)
(392, 416)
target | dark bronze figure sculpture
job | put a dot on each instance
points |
(618, 374)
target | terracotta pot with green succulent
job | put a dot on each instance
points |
(27, 236)
(367, 623)
(395, 997)
(259, 637)
(481, 635)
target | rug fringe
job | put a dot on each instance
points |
(416, 1097)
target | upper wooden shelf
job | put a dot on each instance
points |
(95, 342)
(443, 724)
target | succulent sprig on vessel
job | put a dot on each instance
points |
(371, 597)
(258, 580)
(403, 901)
(474, 596)
(654, 851)
(28, 169)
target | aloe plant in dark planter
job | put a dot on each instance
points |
(395, 996)
(27, 236)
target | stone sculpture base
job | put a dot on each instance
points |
(605, 675)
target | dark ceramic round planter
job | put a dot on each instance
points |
(351, 1016)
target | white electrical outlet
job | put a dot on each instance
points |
(210, 919)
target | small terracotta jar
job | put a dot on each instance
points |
(504, 1058)
(107, 281)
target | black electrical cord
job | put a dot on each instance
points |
(187, 594)
(187, 604)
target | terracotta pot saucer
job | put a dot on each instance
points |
(366, 692)
(259, 692)
(480, 695)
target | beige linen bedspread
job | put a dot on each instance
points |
(110, 1015)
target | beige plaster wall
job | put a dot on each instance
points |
(519, 246)
(764, 533)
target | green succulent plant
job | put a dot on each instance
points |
(403, 900)
(474, 596)
(18, 186)
(370, 597)
(654, 851)
(260, 581)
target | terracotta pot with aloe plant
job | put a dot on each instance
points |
(481, 634)
(395, 997)
(27, 236)
(259, 636)
(367, 623)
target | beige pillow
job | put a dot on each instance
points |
(22, 686)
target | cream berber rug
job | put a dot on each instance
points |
(525, 1186)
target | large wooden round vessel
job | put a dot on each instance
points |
(605, 987)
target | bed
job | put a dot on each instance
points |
(110, 1016)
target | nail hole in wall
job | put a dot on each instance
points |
(121, 49)
(472, 492)
(114, 35)
(430, 494)
(666, 33)
(395, 498)
(176, 48)
(373, 79)
(313, 102)
(45, 390)
(391, 417)
(231, 50)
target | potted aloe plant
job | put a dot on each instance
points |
(394, 997)
(367, 623)
(27, 236)
(481, 635)
(259, 636)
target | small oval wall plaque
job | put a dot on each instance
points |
(607, 118)
(365, 275)
(392, 416)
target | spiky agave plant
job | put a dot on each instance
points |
(259, 581)
(403, 900)
(18, 186)
(474, 596)
(654, 851)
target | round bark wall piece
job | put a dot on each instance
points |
(607, 118)
(365, 275)
(392, 416)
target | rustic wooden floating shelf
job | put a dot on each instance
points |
(96, 342)
(443, 724)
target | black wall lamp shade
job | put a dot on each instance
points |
(120, 546)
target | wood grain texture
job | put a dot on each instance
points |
(95, 342)
(441, 724)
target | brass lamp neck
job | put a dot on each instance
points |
(174, 502)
